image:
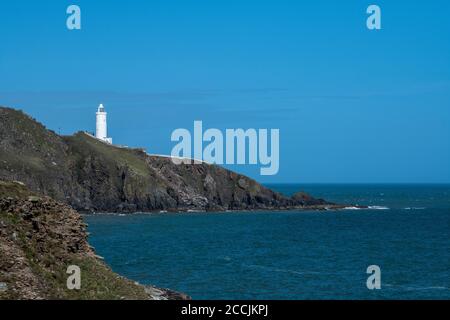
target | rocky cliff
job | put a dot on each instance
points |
(92, 176)
(40, 238)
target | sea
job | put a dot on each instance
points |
(292, 254)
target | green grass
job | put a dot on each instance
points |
(49, 260)
(98, 282)
(29, 128)
(14, 190)
(111, 155)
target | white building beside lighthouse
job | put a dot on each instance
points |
(101, 128)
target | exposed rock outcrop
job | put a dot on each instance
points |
(40, 238)
(93, 176)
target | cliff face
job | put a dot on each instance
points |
(39, 239)
(93, 176)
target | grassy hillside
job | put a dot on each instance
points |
(93, 176)
(39, 239)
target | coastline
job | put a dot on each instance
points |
(207, 254)
(93, 176)
(41, 239)
(319, 208)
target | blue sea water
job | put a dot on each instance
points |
(291, 255)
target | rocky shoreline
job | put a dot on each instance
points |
(42, 231)
(40, 238)
(93, 176)
(318, 208)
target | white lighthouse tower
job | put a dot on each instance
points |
(101, 125)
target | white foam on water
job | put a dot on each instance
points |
(368, 208)
(378, 208)
(415, 288)
(426, 288)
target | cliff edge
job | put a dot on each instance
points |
(40, 238)
(93, 176)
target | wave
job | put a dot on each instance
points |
(414, 208)
(225, 258)
(378, 208)
(415, 288)
(426, 288)
(272, 269)
(368, 208)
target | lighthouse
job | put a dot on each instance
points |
(101, 125)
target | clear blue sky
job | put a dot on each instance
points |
(352, 105)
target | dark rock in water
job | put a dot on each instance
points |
(93, 176)
(306, 199)
(40, 238)
(165, 294)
